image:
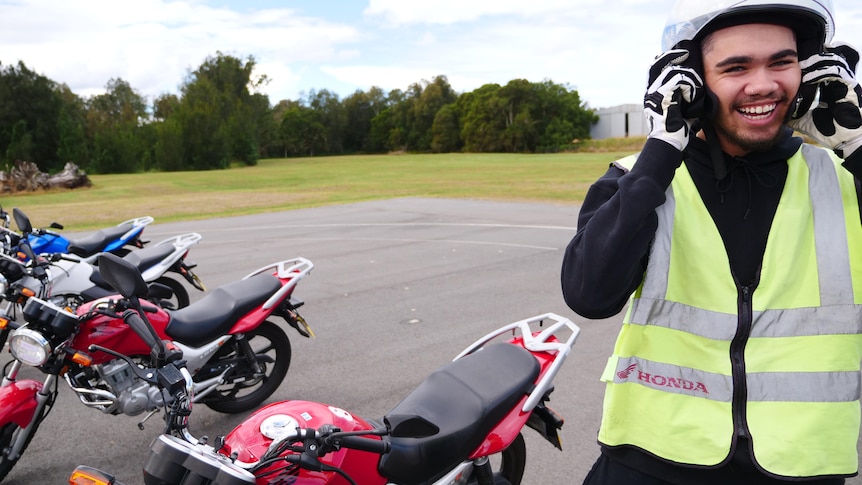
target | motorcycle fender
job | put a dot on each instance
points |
(546, 422)
(18, 402)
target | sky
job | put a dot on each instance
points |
(600, 48)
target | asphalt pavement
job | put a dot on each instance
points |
(398, 289)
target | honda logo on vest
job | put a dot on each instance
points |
(662, 381)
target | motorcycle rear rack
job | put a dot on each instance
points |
(183, 240)
(545, 340)
(295, 269)
(135, 223)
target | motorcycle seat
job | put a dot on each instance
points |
(142, 259)
(218, 311)
(148, 257)
(92, 244)
(445, 419)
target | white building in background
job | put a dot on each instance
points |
(620, 122)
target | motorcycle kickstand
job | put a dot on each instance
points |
(148, 416)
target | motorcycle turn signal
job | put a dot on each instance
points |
(85, 475)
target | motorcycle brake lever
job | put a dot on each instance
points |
(145, 374)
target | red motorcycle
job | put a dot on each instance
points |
(465, 416)
(235, 356)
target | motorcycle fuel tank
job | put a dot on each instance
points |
(251, 439)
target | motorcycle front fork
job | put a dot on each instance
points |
(11, 373)
(42, 399)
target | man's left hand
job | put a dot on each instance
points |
(836, 120)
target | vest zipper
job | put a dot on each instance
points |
(737, 358)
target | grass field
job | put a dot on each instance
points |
(283, 184)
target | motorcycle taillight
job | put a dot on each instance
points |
(172, 460)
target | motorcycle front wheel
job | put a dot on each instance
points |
(244, 388)
(8, 433)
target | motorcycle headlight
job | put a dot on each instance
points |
(29, 347)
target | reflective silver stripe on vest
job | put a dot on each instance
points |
(795, 322)
(830, 234)
(655, 285)
(761, 387)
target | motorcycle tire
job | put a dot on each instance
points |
(267, 339)
(7, 436)
(513, 461)
(181, 295)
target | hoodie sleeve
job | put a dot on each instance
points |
(605, 261)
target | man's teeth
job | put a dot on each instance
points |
(758, 110)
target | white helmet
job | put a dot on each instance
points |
(812, 20)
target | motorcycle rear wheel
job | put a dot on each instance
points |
(512, 462)
(268, 341)
(181, 295)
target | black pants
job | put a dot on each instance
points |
(609, 472)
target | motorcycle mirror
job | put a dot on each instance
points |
(122, 276)
(56, 225)
(22, 220)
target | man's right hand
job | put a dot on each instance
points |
(674, 87)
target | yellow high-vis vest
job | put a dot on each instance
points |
(670, 380)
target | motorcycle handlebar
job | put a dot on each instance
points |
(365, 444)
(146, 332)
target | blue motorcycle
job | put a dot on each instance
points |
(116, 239)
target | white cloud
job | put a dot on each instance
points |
(400, 12)
(602, 48)
(152, 44)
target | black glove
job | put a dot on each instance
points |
(835, 121)
(674, 96)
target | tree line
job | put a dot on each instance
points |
(220, 117)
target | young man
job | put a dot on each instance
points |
(739, 250)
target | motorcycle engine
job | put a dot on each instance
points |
(133, 395)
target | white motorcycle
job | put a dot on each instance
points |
(68, 280)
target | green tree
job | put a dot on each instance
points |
(426, 102)
(71, 125)
(221, 119)
(360, 108)
(483, 119)
(445, 132)
(303, 131)
(164, 106)
(30, 109)
(203, 124)
(332, 116)
(113, 125)
(168, 145)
